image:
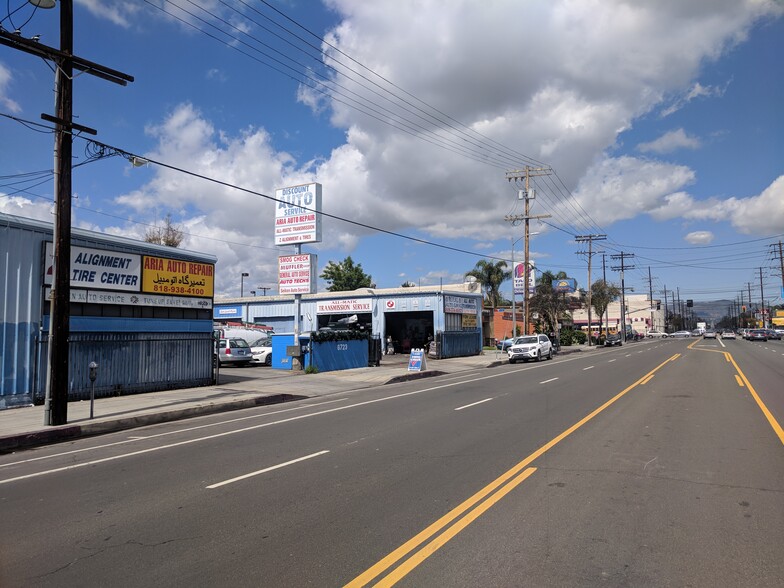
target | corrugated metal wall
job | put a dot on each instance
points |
(20, 311)
(460, 343)
(129, 363)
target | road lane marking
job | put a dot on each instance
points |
(722, 343)
(611, 360)
(391, 559)
(646, 380)
(737, 379)
(167, 433)
(590, 367)
(548, 381)
(265, 470)
(768, 415)
(474, 404)
(451, 532)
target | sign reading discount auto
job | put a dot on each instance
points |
(181, 278)
(298, 214)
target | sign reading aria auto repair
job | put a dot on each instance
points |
(298, 214)
(181, 278)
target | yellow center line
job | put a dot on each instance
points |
(387, 562)
(737, 379)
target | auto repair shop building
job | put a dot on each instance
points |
(142, 312)
(450, 314)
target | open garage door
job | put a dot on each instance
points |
(409, 329)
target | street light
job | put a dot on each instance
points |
(253, 293)
(242, 283)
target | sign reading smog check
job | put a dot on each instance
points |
(298, 214)
(297, 273)
(162, 275)
(98, 269)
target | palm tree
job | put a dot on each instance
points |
(490, 275)
(547, 302)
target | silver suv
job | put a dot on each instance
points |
(530, 347)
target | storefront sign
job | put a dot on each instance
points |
(98, 268)
(459, 305)
(350, 306)
(136, 299)
(469, 321)
(298, 214)
(297, 274)
(224, 312)
(173, 276)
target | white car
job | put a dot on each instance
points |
(728, 334)
(530, 347)
(652, 334)
(261, 349)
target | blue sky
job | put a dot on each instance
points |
(663, 124)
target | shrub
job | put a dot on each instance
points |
(311, 369)
(579, 337)
(565, 337)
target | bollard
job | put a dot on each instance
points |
(93, 376)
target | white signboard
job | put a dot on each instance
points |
(297, 274)
(135, 299)
(459, 305)
(518, 277)
(99, 268)
(350, 306)
(298, 214)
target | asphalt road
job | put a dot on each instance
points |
(652, 464)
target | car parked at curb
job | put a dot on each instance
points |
(261, 350)
(613, 340)
(506, 343)
(656, 334)
(530, 347)
(681, 334)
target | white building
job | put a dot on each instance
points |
(641, 315)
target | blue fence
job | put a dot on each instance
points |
(330, 356)
(458, 343)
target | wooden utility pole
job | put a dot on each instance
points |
(590, 239)
(56, 405)
(623, 267)
(518, 175)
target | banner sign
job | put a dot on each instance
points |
(417, 361)
(298, 214)
(297, 274)
(519, 278)
(350, 306)
(567, 285)
(174, 276)
(98, 268)
(136, 299)
(459, 305)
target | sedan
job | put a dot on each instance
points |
(727, 334)
(654, 334)
(613, 340)
(681, 334)
(507, 343)
(709, 334)
(758, 335)
(261, 349)
(774, 334)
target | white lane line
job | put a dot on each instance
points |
(590, 367)
(628, 355)
(548, 381)
(722, 343)
(131, 439)
(474, 404)
(611, 360)
(265, 470)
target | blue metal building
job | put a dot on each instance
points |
(142, 312)
(451, 315)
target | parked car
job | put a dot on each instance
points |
(709, 334)
(656, 334)
(530, 347)
(613, 340)
(727, 334)
(758, 335)
(506, 343)
(261, 350)
(681, 334)
(233, 351)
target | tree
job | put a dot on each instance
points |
(168, 234)
(344, 276)
(408, 284)
(602, 293)
(490, 275)
(547, 302)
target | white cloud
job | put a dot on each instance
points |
(5, 81)
(699, 237)
(118, 12)
(669, 142)
(696, 91)
(24, 207)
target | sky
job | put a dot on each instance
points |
(661, 126)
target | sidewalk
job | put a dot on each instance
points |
(238, 388)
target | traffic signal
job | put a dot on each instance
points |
(689, 303)
(743, 308)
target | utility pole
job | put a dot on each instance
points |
(56, 403)
(762, 301)
(781, 261)
(650, 293)
(264, 289)
(606, 318)
(622, 256)
(666, 310)
(527, 194)
(590, 239)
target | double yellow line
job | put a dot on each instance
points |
(474, 506)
